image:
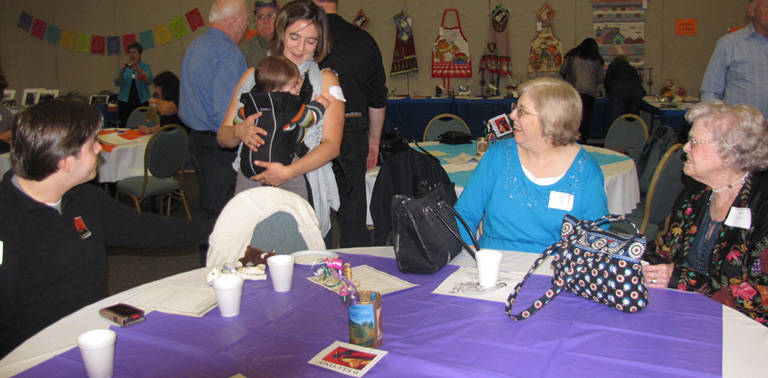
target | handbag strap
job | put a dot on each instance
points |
(458, 237)
(557, 287)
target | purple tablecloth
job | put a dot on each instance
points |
(425, 334)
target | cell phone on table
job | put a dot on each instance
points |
(123, 314)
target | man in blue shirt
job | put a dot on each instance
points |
(212, 67)
(738, 72)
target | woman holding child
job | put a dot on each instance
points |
(301, 35)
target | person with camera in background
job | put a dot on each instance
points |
(133, 78)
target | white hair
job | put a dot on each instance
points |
(223, 10)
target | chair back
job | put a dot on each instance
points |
(628, 132)
(662, 139)
(138, 118)
(267, 218)
(666, 185)
(442, 123)
(166, 152)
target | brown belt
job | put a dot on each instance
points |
(353, 115)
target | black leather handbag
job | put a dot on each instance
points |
(425, 233)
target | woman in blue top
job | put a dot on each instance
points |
(522, 188)
(133, 78)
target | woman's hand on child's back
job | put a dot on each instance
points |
(275, 174)
(249, 133)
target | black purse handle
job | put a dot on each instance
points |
(429, 210)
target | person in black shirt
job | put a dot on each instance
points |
(356, 58)
(623, 87)
(55, 226)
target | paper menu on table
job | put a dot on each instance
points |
(367, 278)
(190, 300)
(462, 158)
(464, 283)
(453, 168)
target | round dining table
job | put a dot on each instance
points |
(621, 181)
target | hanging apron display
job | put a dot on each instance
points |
(546, 52)
(450, 55)
(404, 60)
(496, 58)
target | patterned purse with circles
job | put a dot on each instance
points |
(594, 264)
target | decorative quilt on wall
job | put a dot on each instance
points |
(619, 29)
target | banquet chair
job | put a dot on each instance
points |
(164, 157)
(442, 123)
(629, 133)
(267, 218)
(138, 118)
(666, 185)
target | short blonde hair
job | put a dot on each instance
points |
(740, 131)
(558, 106)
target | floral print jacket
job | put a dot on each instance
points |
(738, 271)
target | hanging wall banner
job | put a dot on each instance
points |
(179, 27)
(25, 21)
(83, 43)
(619, 29)
(146, 39)
(195, 19)
(110, 45)
(67, 40)
(52, 34)
(38, 29)
(113, 45)
(98, 45)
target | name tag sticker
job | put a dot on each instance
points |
(560, 201)
(740, 217)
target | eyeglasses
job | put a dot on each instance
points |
(695, 142)
(263, 17)
(521, 110)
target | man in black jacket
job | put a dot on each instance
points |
(356, 58)
(54, 226)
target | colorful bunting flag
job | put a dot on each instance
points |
(98, 44)
(38, 29)
(147, 39)
(163, 34)
(25, 21)
(83, 43)
(195, 19)
(127, 40)
(52, 34)
(67, 40)
(113, 45)
(179, 27)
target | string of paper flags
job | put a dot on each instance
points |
(111, 45)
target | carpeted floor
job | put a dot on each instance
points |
(131, 267)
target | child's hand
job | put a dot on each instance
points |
(323, 101)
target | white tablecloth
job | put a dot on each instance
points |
(621, 185)
(125, 160)
(745, 342)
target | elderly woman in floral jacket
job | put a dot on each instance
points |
(718, 238)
